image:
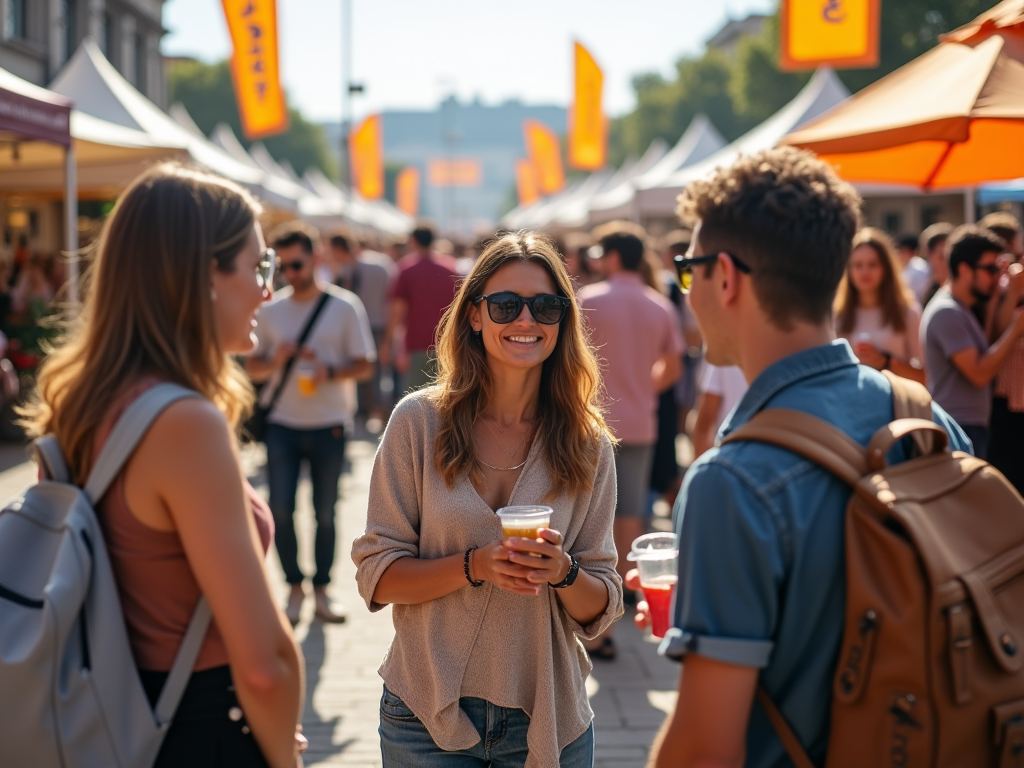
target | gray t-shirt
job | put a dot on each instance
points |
(370, 278)
(340, 335)
(948, 327)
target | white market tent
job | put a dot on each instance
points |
(699, 140)
(542, 213)
(824, 91)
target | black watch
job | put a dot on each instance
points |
(570, 577)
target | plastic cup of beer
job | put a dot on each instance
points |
(524, 521)
(307, 379)
(657, 559)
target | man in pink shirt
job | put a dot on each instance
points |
(420, 294)
(638, 338)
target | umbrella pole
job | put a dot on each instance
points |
(71, 222)
(970, 205)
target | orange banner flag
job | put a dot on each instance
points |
(255, 67)
(588, 135)
(526, 182)
(366, 154)
(407, 191)
(545, 153)
(838, 33)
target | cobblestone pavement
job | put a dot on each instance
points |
(630, 696)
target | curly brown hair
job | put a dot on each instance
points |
(790, 218)
(570, 421)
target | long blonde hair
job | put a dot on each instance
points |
(570, 422)
(148, 309)
(892, 292)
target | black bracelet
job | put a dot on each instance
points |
(330, 373)
(465, 569)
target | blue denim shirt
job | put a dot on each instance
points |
(762, 580)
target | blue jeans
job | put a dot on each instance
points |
(324, 449)
(405, 742)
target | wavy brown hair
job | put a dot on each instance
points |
(148, 309)
(570, 421)
(892, 293)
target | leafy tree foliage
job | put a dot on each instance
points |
(208, 94)
(739, 92)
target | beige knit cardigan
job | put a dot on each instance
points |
(512, 650)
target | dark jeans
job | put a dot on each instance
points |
(202, 734)
(1006, 442)
(324, 449)
(979, 438)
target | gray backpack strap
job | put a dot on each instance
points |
(184, 661)
(51, 459)
(128, 432)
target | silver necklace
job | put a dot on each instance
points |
(508, 454)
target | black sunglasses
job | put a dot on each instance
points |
(265, 267)
(685, 265)
(992, 269)
(296, 265)
(504, 307)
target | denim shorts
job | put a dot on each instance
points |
(405, 742)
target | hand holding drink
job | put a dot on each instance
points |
(529, 554)
(657, 559)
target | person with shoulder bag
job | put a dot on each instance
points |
(143, 401)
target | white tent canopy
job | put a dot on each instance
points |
(824, 91)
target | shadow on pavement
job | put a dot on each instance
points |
(319, 731)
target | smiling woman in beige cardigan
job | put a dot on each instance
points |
(486, 668)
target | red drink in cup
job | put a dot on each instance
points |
(657, 558)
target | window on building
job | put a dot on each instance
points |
(930, 214)
(892, 222)
(69, 17)
(140, 61)
(15, 25)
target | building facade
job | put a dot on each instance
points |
(39, 36)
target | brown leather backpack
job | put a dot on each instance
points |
(931, 667)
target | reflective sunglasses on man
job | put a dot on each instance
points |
(685, 265)
(504, 307)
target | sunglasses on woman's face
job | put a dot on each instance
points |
(265, 268)
(504, 307)
(685, 265)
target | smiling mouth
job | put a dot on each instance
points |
(524, 341)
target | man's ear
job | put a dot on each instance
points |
(728, 280)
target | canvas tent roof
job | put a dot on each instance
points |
(824, 91)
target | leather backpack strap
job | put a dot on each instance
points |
(911, 400)
(807, 436)
(785, 731)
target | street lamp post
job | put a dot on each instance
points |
(348, 88)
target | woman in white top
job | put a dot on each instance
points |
(874, 310)
(486, 668)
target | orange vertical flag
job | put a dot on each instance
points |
(836, 33)
(526, 182)
(255, 67)
(588, 135)
(366, 154)
(407, 191)
(545, 153)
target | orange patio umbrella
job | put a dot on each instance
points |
(953, 117)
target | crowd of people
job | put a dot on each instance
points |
(526, 371)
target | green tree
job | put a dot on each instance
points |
(208, 94)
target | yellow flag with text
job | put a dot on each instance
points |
(255, 67)
(366, 154)
(545, 152)
(526, 182)
(407, 191)
(588, 135)
(836, 33)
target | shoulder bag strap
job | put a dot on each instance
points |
(807, 436)
(306, 329)
(51, 459)
(129, 430)
(785, 731)
(184, 661)
(911, 400)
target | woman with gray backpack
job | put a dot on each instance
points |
(142, 400)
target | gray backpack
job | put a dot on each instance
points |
(70, 693)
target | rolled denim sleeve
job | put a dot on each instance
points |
(731, 568)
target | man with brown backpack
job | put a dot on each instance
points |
(792, 592)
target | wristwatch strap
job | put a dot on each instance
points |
(570, 577)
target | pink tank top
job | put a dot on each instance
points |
(158, 591)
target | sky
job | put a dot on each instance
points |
(411, 54)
